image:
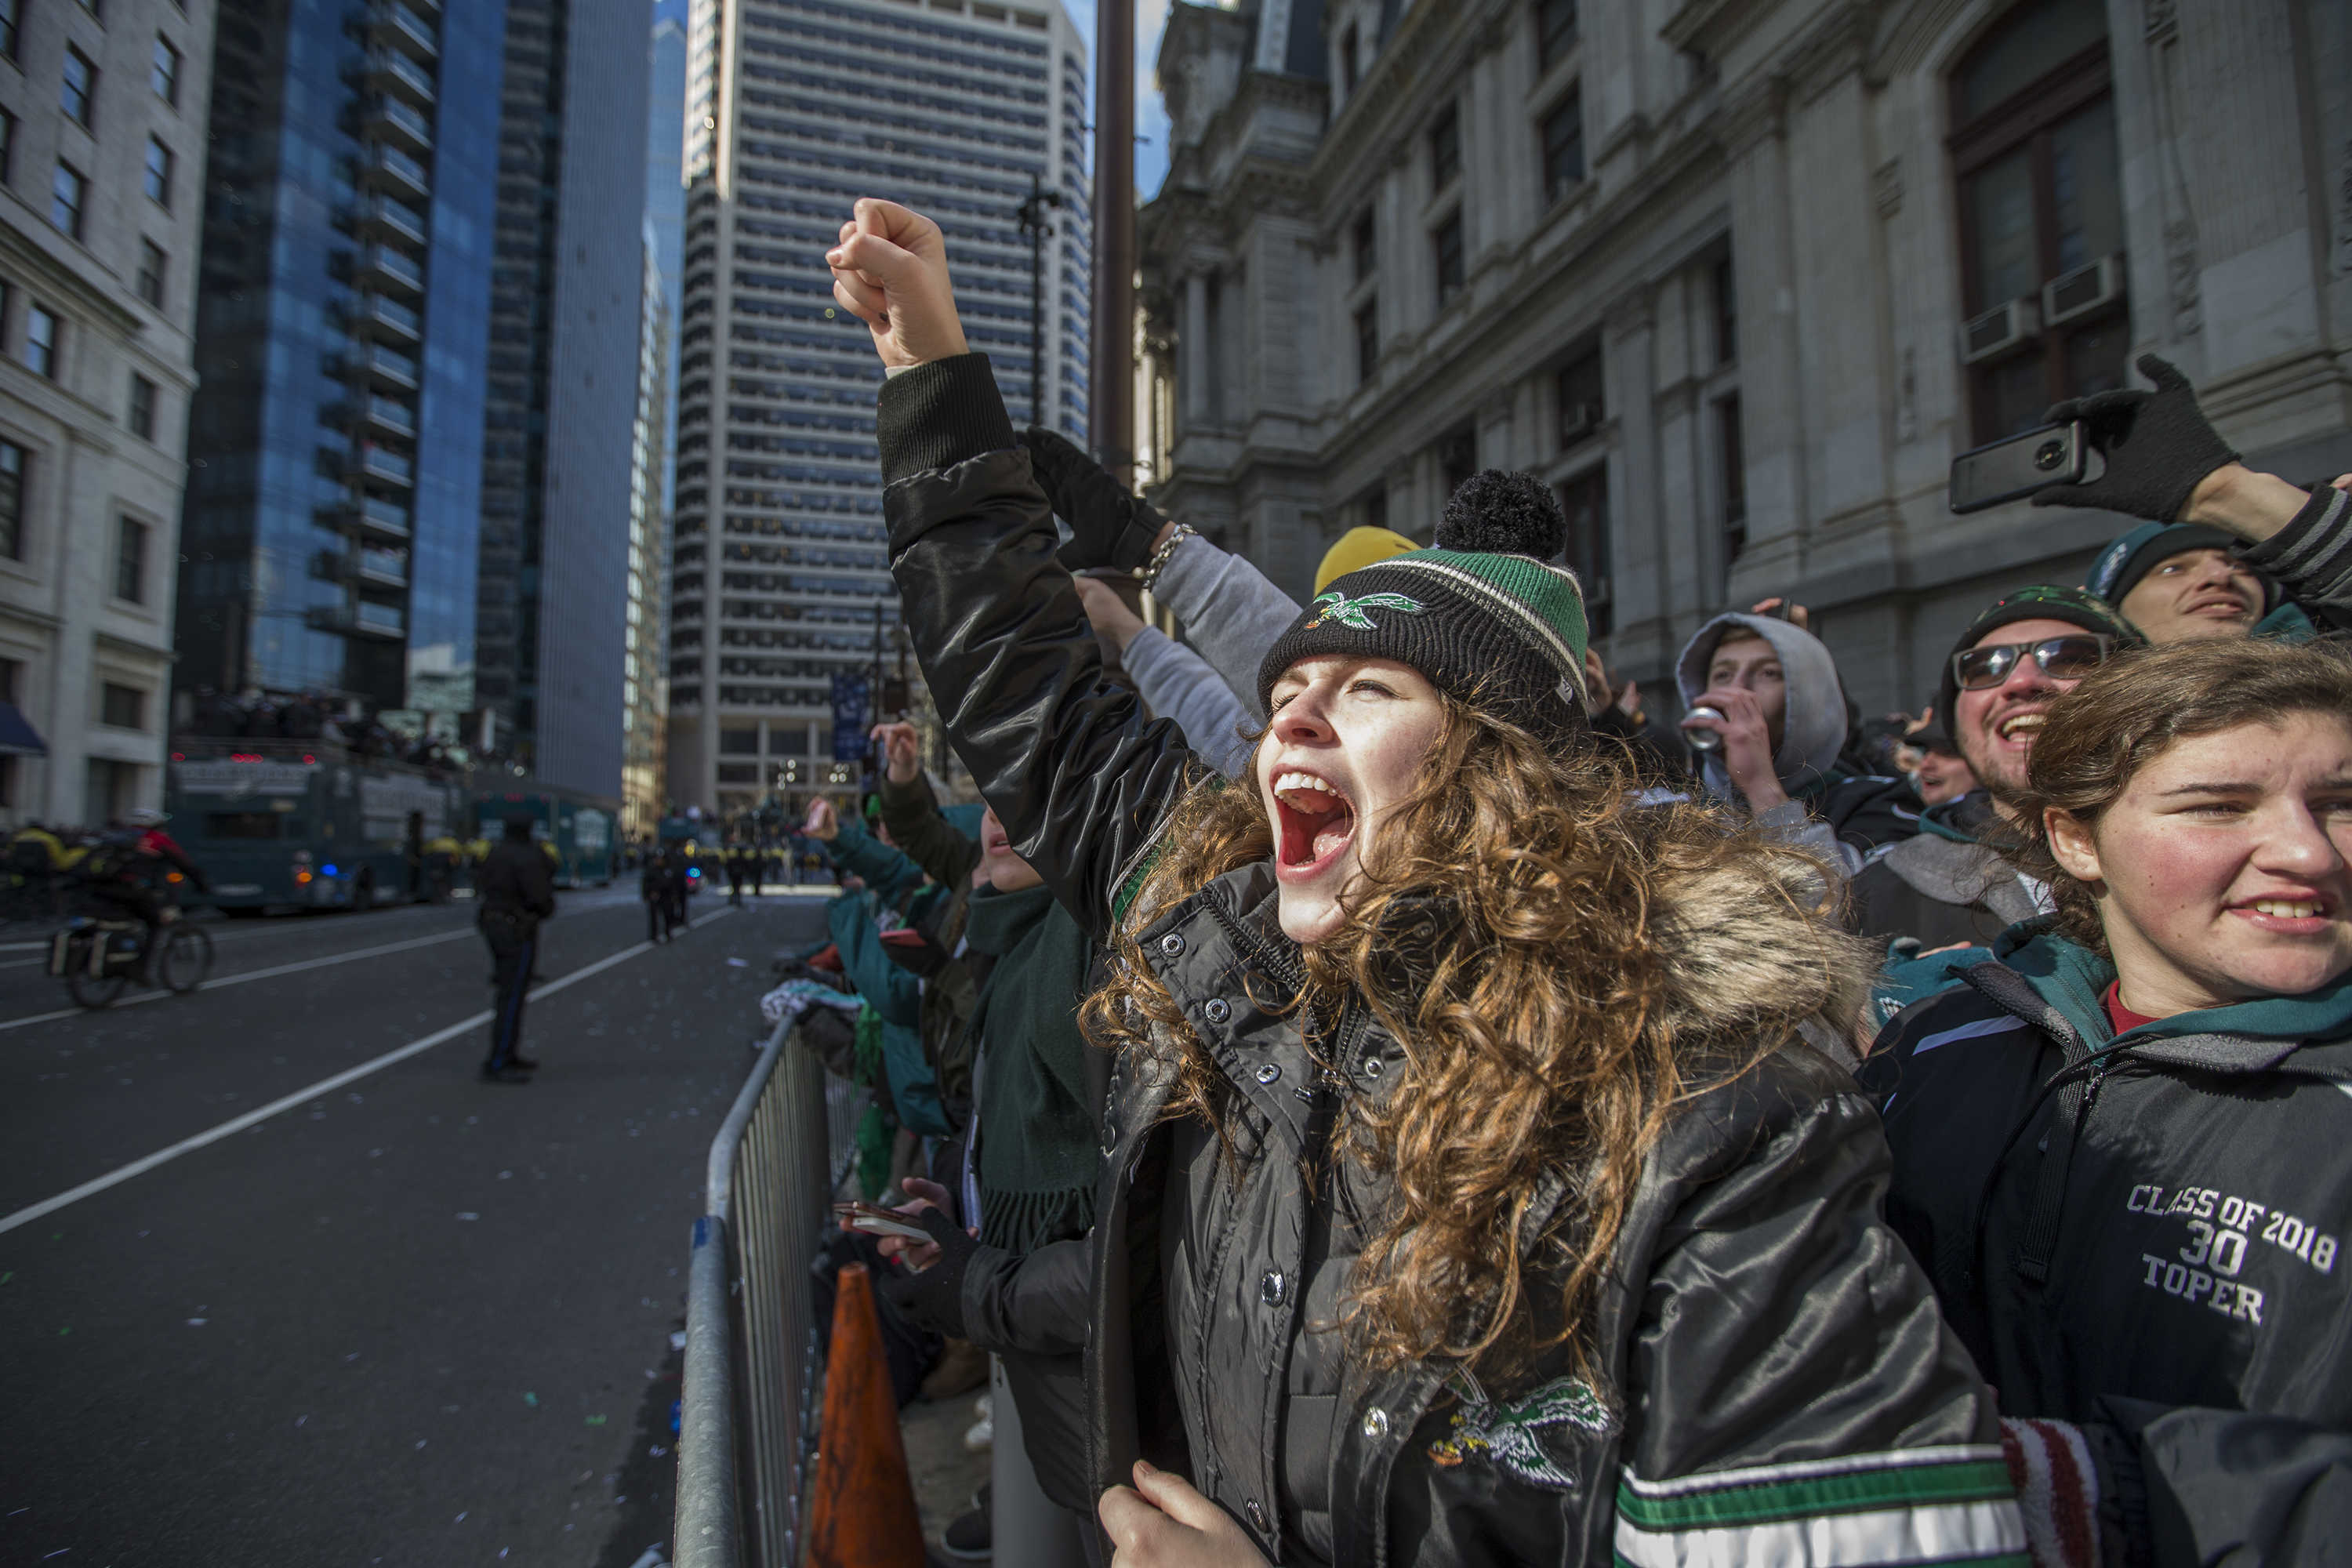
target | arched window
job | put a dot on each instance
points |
(2040, 215)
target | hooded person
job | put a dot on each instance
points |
(1950, 885)
(1783, 723)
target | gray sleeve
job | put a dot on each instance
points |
(2311, 556)
(1230, 612)
(1791, 824)
(1178, 684)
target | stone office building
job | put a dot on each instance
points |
(1738, 276)
(101, 181)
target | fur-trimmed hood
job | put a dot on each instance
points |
(1754, 956)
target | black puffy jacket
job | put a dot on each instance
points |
(2138, 1236)
(1781, 1383)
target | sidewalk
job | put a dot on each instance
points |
(945, 1476)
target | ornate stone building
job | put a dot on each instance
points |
(1740, 277)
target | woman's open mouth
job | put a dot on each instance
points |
(2288, 914)
(1314, 823)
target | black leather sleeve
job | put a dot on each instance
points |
(1786, 1332)
(1031, 1303)
(1078, 777)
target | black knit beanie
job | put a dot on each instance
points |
(2041, 602)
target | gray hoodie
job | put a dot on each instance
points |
(1812, 730)
(1232, 616)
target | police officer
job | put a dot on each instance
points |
(739, 868)
(516, 887)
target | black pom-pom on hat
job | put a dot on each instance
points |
(1500, 514)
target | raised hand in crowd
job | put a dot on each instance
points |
(902, 751)
(821, 824)
(1163, 1522)
(1746, 742)
(890, 271)
(1111, 525)
(1107, 613)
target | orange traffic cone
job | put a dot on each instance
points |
(861, 1511)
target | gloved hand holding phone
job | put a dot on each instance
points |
(2157, 445)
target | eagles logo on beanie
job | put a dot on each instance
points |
(1484, 615)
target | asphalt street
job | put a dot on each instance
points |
(409, 1319)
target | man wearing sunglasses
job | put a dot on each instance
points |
(1949, 884)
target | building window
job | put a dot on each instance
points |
(1555, 30)
(1585, 500)
(14, 463)
(77, 92)
(1367, 245)
(150, 273)
(164, 75)
(66, 189)
(1563, 145)
(158, 181)
(1583, 397)
(1347, 77)
(1457, 456)
(1368, 340)
(41, 341)
(8, 9)
(12, 676)
(1445, 148)
(1376, 507)
(739, 742)
(2041, 211)
(122, 707)
(1732, 453)
(143, 408)
(1725, 289)
(1447, 240)
(7, 146)
(131, 561)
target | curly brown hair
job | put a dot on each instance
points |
(1538, 1023)
(2137, 704)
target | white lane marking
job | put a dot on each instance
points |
(304, 1096)
(270, 974)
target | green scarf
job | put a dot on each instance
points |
(2074, 981)
(1036, 1127)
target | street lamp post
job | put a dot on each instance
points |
(1037, 226)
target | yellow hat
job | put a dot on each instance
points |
(1358, 548)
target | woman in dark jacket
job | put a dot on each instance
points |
(1467, 1194)
(2119, 1147)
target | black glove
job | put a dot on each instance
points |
(2157, 445)
(1112, 525)
(933, 1298)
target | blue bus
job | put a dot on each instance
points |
(305, 824)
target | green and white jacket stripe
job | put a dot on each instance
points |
(1948, 1504)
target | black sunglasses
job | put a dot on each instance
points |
(2061, 658)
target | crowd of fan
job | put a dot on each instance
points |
(1376, 1092)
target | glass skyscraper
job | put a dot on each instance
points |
(796, 108)
(331, 525)
(562, 386)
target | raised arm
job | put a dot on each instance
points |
(1079, 780)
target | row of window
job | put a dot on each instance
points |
(130, 536)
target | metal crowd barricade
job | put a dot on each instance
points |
(748, 1417)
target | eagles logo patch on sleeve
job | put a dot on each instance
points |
(1503, 1432)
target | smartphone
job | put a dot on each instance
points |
(877, 1221)
(2005, 471)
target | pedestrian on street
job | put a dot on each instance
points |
(1471, 1187)
(653, 889)
(678, 883)
(737, 856)
(516, 887)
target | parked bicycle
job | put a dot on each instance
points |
(98, 959)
